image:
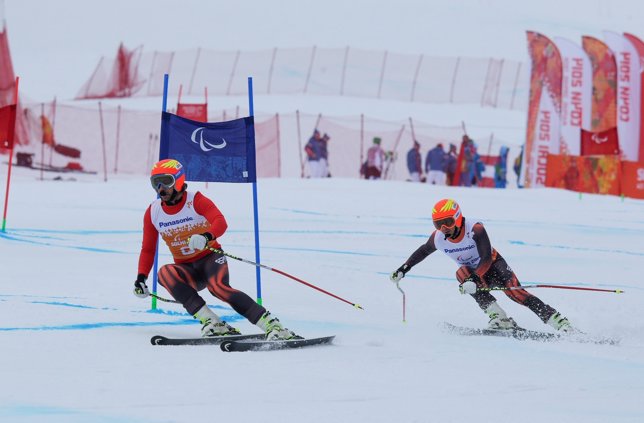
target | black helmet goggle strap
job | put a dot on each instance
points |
(164, 180)
(448, 222)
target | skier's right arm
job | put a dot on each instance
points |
(146, 257)
(416, 257)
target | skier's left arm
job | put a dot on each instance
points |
(218, 225)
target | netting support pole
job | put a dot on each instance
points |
(344, 69)
(270, 71)
(413, 84)
(514, 89)
(299, 142)
(488, 76)
(100, 115)
(279, 144)
(498, 84)
(382, 73)
(308, 74)
(118, 138)
(361, 140)
(451, 94)
(194, 71)
(232, 73)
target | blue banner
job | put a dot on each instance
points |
(210, 152)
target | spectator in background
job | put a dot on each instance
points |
(414, 161)
(479, 167)
(467, 164)
(375, 160)
(501, 168)
(324, 156)
(313, 149)
(450, 165)
(435, 165)
(517, 167)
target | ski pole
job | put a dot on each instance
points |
(512, 288)
(165, 300)
(216, 250)
(403, 294)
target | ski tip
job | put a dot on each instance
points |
(157, 339)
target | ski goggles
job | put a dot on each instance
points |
(448, 222)
(164, 180)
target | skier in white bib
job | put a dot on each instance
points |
(481, 266)
(191, 225)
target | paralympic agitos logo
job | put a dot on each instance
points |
(197, 138)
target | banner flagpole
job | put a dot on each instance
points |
(10, 136)
(156, 252)
(258, 274)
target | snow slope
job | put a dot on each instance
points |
(75, 340)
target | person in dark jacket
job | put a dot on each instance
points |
(414, 163)
(314, 151)
(450, 165)
(435, 165)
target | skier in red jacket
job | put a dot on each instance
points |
(190, 224)
(481, 266)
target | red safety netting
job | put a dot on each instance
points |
(341, 71)
(109, 140)
(118, 77)
(8, 88)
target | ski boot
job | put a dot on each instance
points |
(560, 323)
(274, 329)
(498, 319)
(212, 325)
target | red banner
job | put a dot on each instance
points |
(604, 109)
(198, 112)
(544, 109)
(633, 179)
(599, 143)
(628, 94)
(7, 126)
(591, 174)
(639, 46)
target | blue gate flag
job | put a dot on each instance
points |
(210, 152)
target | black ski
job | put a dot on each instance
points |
(250, 345)
(518, 333)
(214, 340)
(526, 334)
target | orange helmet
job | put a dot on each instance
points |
(447, 212)
(168, 173)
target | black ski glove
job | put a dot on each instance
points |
(140, 288)
(400, 273)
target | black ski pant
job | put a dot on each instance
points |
(184, 281)
(500, 275)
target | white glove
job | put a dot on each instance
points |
(197, 242)
(467, 287)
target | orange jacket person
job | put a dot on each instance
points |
(189, 223)
(481, 266)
